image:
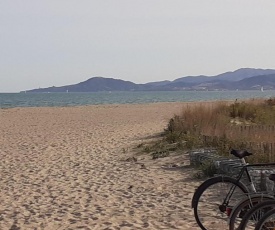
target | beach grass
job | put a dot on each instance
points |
(225, 125)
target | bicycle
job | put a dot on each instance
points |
(252, 216)
(267, 222)
(255, 214)
(249, 210)
(210, 203)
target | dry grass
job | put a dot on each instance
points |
(247, 124)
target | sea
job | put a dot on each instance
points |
(12, 100)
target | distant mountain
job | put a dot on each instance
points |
(243, 73)
(224, 81)
(257, 82)
(94, 84)
(236, 75)
(242, 79)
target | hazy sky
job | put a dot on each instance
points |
(60, 42)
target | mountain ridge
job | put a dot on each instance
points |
(241, 79)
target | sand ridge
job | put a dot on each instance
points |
(67, 168)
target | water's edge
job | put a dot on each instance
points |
(10, 100)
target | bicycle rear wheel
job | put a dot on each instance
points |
(252, 217)
(210, 209)
(243, 207)
(267, 222)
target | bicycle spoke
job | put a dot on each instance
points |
(209, 205)
(268, 223)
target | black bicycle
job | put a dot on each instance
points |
(214, 200)
(267, 222)
(259, 205)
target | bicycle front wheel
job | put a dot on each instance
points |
(212, 202)
(267, 222)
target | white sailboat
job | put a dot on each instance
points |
(262, 89)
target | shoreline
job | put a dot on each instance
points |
(184, 103)
(87, 99)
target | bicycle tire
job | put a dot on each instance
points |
(267, 221)
(243, 207)
(201, 193)
(251, 218)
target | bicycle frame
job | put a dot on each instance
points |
(244, 169)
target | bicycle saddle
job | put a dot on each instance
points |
(240, 153)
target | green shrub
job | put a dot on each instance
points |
(192, 141)
(208, 168)
(173, 137)
(175, 124)
(242, 110)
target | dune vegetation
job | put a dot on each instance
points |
(246, 125)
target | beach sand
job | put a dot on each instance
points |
(71, 168)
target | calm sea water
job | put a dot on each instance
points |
(9, 100)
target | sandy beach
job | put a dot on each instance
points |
(69, 168)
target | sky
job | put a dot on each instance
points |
(61, 42)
